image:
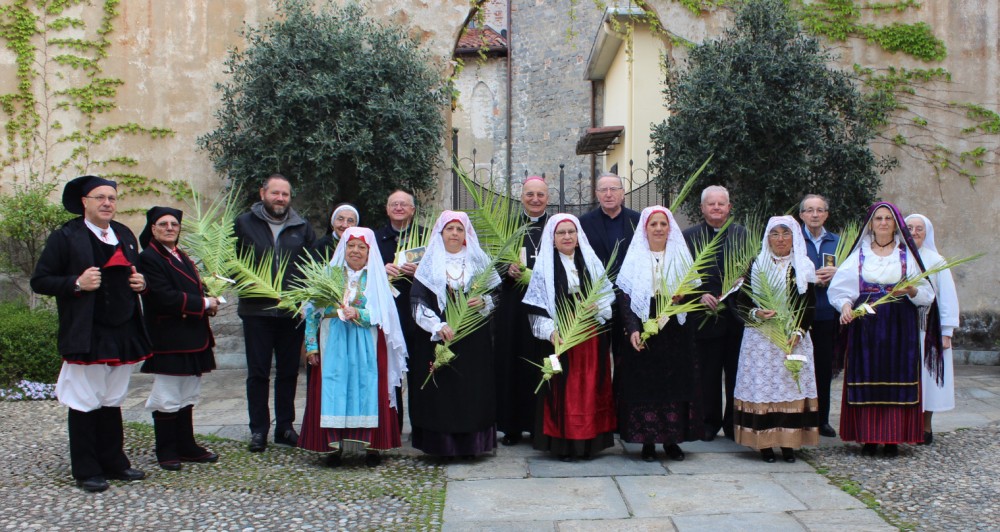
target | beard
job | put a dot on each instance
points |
(275, 211)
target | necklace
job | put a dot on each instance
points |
(887, 244)
(458, 279)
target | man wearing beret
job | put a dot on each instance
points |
(89, 266)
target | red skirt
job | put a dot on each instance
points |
(579, 404)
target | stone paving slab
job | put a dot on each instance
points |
(816, 492)
(548, 466)
(500, 526)
(486, 468)
(718, 445)
(533, 499)
(770, 522)
(617, 525)
(706, 494)
(739, 463)
(843, 521)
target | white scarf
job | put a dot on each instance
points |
(432, 271)
(774, 268)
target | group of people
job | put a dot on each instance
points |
(701, 373)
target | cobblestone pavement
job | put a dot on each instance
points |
(280, 489)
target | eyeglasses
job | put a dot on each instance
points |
(566, 232)
(813, 211)
(604, 190)
(915, 229)
(774, 235)
(397, 204)
(102, 198)
(164, 225)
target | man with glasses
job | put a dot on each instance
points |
(822, 248)
(89, 266)
(400, 208)
(719, 333)
(272, 225)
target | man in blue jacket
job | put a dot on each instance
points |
(272, 224)
(822, 248)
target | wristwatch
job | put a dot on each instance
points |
(77, 289)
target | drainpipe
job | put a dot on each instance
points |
(510, 97)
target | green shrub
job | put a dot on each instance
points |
(28, 344)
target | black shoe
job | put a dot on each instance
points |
(170, 465)
(709, 434)
(648, 452)
(373, 459)
(93, 484)
(674, 452)
(567, 458)
(767, 455)
(826, 430)
(289, 438)
(928, 438)
(128, 475)
(788, 454)
(207, 458)
(334, 459)
(510, 439)
(258, 442)
(728, 434)
(891, 450)
(869, 449)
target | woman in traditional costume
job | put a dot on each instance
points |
(657, 380)
(313, 437)
(576, 416)
(360, 351)
(882, 397)
(454, 414)
(775, 407)
(938, 387)
(177, 312)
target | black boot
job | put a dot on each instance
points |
(111, 445)
(165, 429)
(82, 427)
(187, 448)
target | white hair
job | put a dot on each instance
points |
(714, 188)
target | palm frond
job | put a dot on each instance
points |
(847, 237)
(685, 190)
(782, 328)
(495, 218)
(318, 283)
(869, 307)
(209, 238)
(687, 286)
(739, 255)
(259, 278)
(418, 234)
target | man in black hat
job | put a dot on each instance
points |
(88, 265)
(272, 225)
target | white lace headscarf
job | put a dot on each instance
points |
(805, 270)
(381, 305)
(636, 275)
(928, 233)
(541, 291)
(432, 271)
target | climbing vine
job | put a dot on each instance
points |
(56, 120)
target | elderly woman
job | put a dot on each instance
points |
(938, 390)
(313, 436)
(773, 408)
(576, 416)
(882, 402)
(657, 379)
(177, 312)
(360, 351)
(455, 413)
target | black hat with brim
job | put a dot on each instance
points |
(152, 216)
(79, 188)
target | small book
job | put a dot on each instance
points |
(829, 259)
(410, 256)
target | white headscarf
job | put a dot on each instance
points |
(432, 270)
(805, 270)
(636, 275)
(928, 234)
(343, 207)
(381, 306)
(541, 291)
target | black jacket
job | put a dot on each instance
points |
(727, 321)
(293, 242)
(593, 225)
(68, 252)
(174, 303)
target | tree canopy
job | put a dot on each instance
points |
(778, 120)
(347, 107)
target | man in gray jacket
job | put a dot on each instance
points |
(272, 224)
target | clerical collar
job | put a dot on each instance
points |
(534, 219)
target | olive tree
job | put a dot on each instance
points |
(345, 106)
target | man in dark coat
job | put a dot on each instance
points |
(272, 225)
(516, 378)
(821, 246)
(89, 266)
(610, 227)
(400, 208)
(719, 336)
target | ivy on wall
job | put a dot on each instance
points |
(56, 121)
